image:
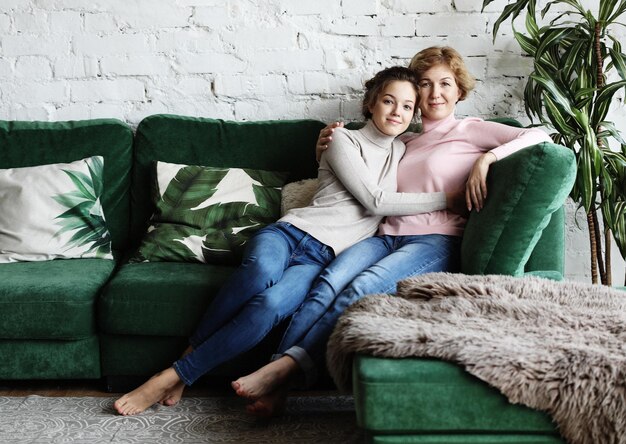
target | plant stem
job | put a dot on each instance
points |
(598, 236)
(592, 247)
(607, 255)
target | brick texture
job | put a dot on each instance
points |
(248, 60)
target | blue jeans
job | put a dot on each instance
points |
(371, 266)
(279, 265)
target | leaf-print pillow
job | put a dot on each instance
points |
(206, 214)
(53, 212)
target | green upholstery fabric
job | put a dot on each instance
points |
(124, 355)
(466, 439)
(287, 146)
(158, 298)
(549, 253)
(525, 189)
(52, 299)
(38, 143)
(39, 359)
(432, 396)
(139, 355)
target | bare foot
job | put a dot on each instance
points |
(148, 394)
(270, 405)
(173, 396)
(266, 379)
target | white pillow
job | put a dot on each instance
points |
(53, 211)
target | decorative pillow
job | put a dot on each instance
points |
(525, 189)
(297, 194)
(206, 214)
(53, 211)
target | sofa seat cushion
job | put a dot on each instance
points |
(51, 299)
(430, 396)
(50, 359)
(158, 298)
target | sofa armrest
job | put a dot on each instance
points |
(525, 189)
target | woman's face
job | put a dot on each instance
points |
(438, 92)
(394, 107)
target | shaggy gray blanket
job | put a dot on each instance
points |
(553, 346)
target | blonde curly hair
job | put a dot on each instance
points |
(444, 55)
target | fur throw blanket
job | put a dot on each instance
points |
(554, 346)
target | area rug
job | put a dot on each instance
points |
(92, 420)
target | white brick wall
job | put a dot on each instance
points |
(247, 60)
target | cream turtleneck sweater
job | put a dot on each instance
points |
(357, 182)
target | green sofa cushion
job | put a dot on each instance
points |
(287, 146)
(428, 396)
(158, 298)
(525, 189)
(41, 359)
(51, 299)
(38, 143)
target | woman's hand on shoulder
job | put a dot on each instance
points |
(324, 138)
(476, 186)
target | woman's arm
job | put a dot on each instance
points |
(499, 141)
(346, 163)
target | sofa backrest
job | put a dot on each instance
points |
(25, 144)
(286, 145)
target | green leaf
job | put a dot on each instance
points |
(531, 21)
(83, 183)
(558, 120)
(550, 38)
(268, 178)
(96, 171)
(573, 3)
(588, 184)
(527, 44)
(570, 60)
(612, 130)
(621, 9)
(606, 9)
(191, 186)
(603, 101)
(619, 61)
(556, 94)
(512, 10)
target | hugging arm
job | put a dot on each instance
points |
(347, 164)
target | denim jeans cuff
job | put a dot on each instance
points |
(307, 365)
(181, 375)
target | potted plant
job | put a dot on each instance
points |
(569, 90)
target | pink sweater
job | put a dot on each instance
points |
(440, 159)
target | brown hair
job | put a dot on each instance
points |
(375, 85)
(444, 55)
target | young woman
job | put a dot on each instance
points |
(448, 153)
(357, 183)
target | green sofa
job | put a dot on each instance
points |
(97, 318)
